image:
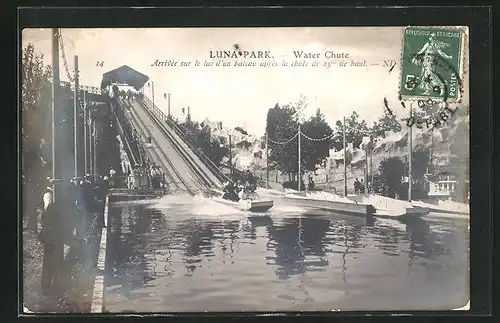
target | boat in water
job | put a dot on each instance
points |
(250, 202)
(247, 204)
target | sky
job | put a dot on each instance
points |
(241, 96)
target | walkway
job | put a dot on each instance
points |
(74, 292)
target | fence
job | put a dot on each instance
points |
(333, 181)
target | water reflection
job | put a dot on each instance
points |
(293, 241)
(162, 251)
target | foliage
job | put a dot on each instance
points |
(356, 129)
(35, 97)
(387, 122)
(282, 125)
(200, 136)
(420, 162)
(315, 152)
(35, 78)
(241, 130)
(391, 171)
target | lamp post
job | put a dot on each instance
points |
(55, 107)
(345, 159)
(152, 85)
(230, 155)
(85, 135)
(299, 180)
(410, 154)
(166, 96)
(367, 146)
(267, 160)
(75, 116)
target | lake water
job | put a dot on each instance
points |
(192, 254)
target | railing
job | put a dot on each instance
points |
(125, 128)
(198, 152)
(85, 88)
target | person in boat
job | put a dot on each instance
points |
(249, 192)
(242, 192)
(251, 182)
(229, 191)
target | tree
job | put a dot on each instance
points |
(315, 152)
(200, 136)
(355, 130)
(391, 171)
(387, 122)
(282, 126)
(35, 96)
(420, 162)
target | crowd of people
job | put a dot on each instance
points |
(238, 189)
(145, 177)
(359, 187)
(66, 221)
(128, 95)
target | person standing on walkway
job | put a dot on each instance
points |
(51, 236)
(112, 175)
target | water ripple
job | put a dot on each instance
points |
(166, 257)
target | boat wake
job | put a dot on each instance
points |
(198, 206)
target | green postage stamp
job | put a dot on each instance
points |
(432, 63)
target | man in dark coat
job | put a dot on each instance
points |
(52, 237)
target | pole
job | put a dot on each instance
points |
(371, 162)
(345, 159)
(91, 148)
(95, 148)
(267, 160)
(85, 125)
(168, 104)
(366, 169)
(75, 115)
(55, 97)
(410, 153)
(299, 178)
(230, 155)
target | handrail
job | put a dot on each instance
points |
(128, 132)
(202, 174)
(86, 88)
(203, 157)
(176, 146)
(138, 122)
(124, 136)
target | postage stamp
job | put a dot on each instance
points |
(432, 63)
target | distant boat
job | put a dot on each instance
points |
(386, 207)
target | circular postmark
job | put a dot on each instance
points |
(432, 58)
(433, 112)
(432, 81)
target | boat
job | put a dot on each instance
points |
(247, 204)
(409, 212)
(386, 207)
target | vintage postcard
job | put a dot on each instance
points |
(245, 169)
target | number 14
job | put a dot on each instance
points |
(100, 63)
